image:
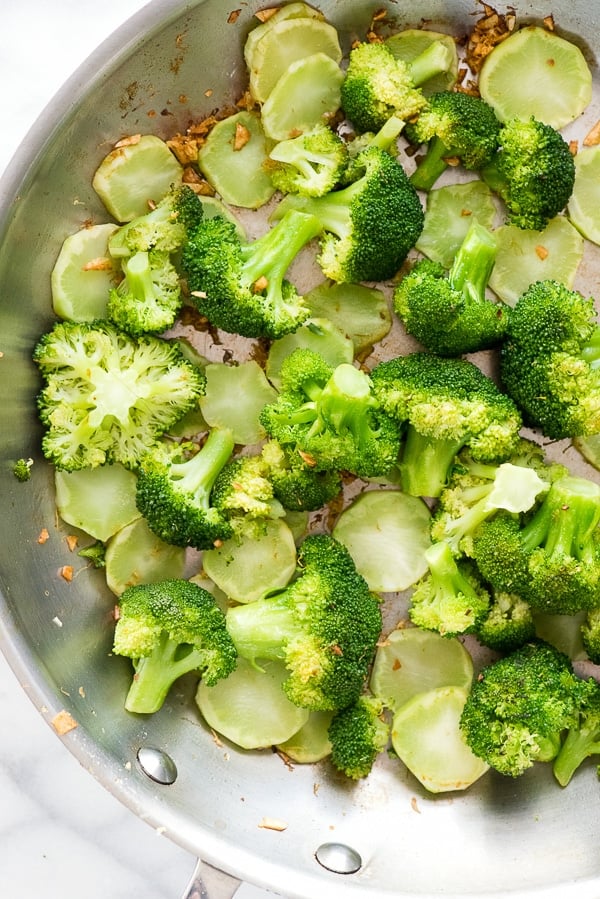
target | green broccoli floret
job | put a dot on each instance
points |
(450, 314)
(455, 126)
(370, 225)
(109, 397)
(590, 634)
(508, 624)
(243, 488)
(22, 469)
(446, 404)
(164, 228)
(357, 735)
(149, 297)
(169, 629)
(384, 139)
(330, 415)
(450, 598)
(550, 361)
(582, 739)
(240, 286)
(298, 485)
(476, 490)
(96, 553)
(324, 626)
(519, 705)
(550, 556)
(311, 164)
(377, 85)
(174, 487)
(533, 171)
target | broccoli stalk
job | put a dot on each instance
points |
(324, 625)
(310, 164)
(452, 315)
(168, 629)
(582, 739)
(149, 297)
(357, 735)
(240, 286)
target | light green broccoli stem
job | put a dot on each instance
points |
(591, 351)
(579, 744)
(262, 629)
(155, 674)
(566, 520)
(474, 262)
(435, 59)
(432, 165)
(345, 403)
(198, 474)
(332, 209)
(426, 462)
(139, 277)
(387, 134)
(446, 575)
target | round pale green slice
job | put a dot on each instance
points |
(99, 501)
(307, 94)
(234, 398)
(449, 212)
(316, 334)
(311, 743)
(232, 160)
(387, 533)
(286, 42)
(535, 72)
(524, 256)
(411, 42)
(260, 560)
(84, 274)
(584, 205)
(360, 312)
(249, 707)
(136, 175)
(411, 661)
(287, 11)
(135, 555)
(426, 736)
(589, 447)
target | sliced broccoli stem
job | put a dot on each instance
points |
(591, 351)
(474, 262)
(154, 674)
(139, 277)
(426, 462)
(433, 60)
(198, 474)
(578, 745)
(566, 520)
(261, 629)
(431, 166)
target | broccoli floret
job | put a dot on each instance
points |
(450, 313)
(330, 415)
(508, 624)
(550, 556)
(357, 735)
(519, 705)
(590, 634)
(384, 139)
(22, 469)
(109, 397)
(582, 739)
(324, 625)
(149, 297)
(96, 553)
(449, 599)
(243, 487)
(311, 164)
(164, 228)
(446, 404)
(549, 363)
(370, 225)
(174, 487)
(240, 286)
(298, 485)
(533, 171)
(455, 126)
(377, 85)
(476, 490)
(169, 629)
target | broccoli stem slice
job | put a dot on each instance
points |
(474, 262)
(139, 277)
(198, 474)
(591, 351)
(261, 629)
(426, 462)
(566, 520)
(578, 745)
(432, 61)
(155, 674)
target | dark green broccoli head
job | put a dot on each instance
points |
(174, 491)
(456, 126)
(533, 171)
(149, 297)
(324, 626)
(311, 164)
(164, 228)
(240, 286)
(357, 735)
(169, 629)
(519, 706)
(243, 487)
(582, 740)
(549, 361)
(508, 624)
(109, 397)
(298, 485)
(590, 634)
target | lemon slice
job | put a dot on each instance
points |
(84, 274)
(584, 205)
(524, 256)
(411, 42)
(535, 72)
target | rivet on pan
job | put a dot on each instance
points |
(339, 858)
(157, 765)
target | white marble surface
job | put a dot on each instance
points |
(62, 836)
